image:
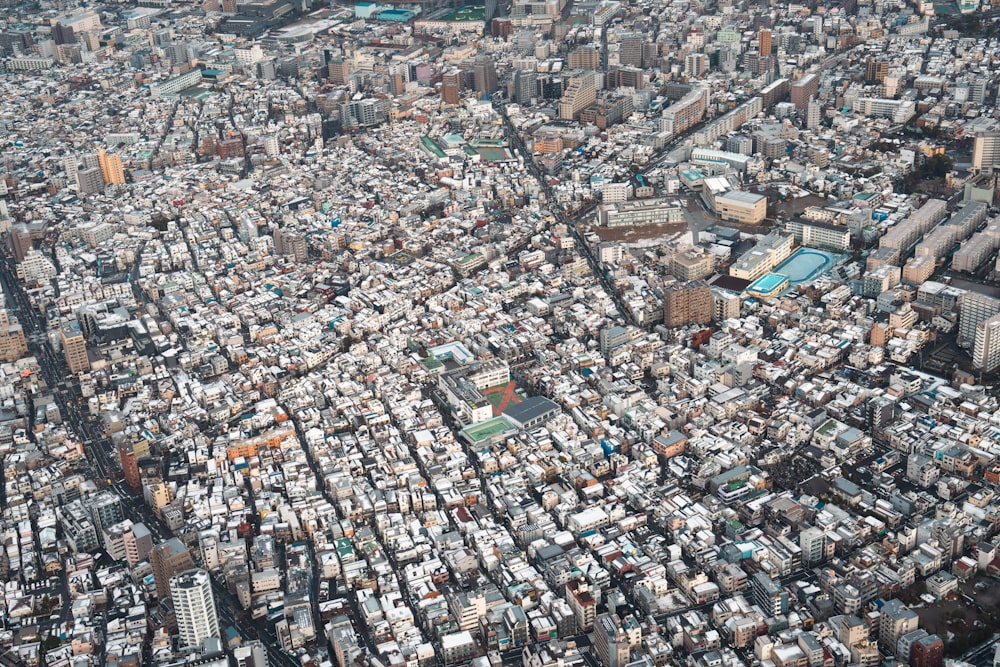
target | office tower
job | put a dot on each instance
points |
(986, 347)
(451, 86)
(974, 309)
(804, 90)
(610, 641)
(484, 75)
(89, 180)
(630, 51)
(986, 152)
(168, 559)
(74, 347)
(764, 42)
(111, 168)
(687, 304)
(580, 93)
(525, 86)
(194, 606)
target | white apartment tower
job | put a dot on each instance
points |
(194, 605)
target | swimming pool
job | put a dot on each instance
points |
(806, 264)
(768, 285)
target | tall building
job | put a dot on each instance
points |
(451, 86)
(89, 180)
(687, 304)
(986, 346)
(630, 51)
(695, 65)
(764, 42)
(525, 86)
(484, 75)
(814, 114)
(580, 93)
(584, 57)
(876, 70)
(610, 641)
(975, 308)
(105, 510)
(986, 152)
(895, 621)
(194, 605)
(583, 604)
(768, 595)
(804, 90)
(111, 168)
(168, 559)
(12, 343)
(74, 347)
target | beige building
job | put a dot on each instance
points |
(745, 208)
(74, 347)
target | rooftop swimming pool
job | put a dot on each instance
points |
(767, 283)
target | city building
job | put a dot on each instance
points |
(194, 604)
(690, 303)
(74, 347)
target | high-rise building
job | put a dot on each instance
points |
(168, 559)
(111, 168)
(525, 86)
(804, 90)
(687, 304)
(630, 51)
(876, 70)
(74, 347)
(12, 343)
(484, 75)
(583, 604)
(89, 180)
(194, 605)
(986, 152)
(451, 86)
(610, 641)
(764, 42)
(768, 595)
(695, 65)
(895, 621)
(580, 93)
(814, 114)
(974, 309)
(105, 510)
(986, 346)
(584, 57)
